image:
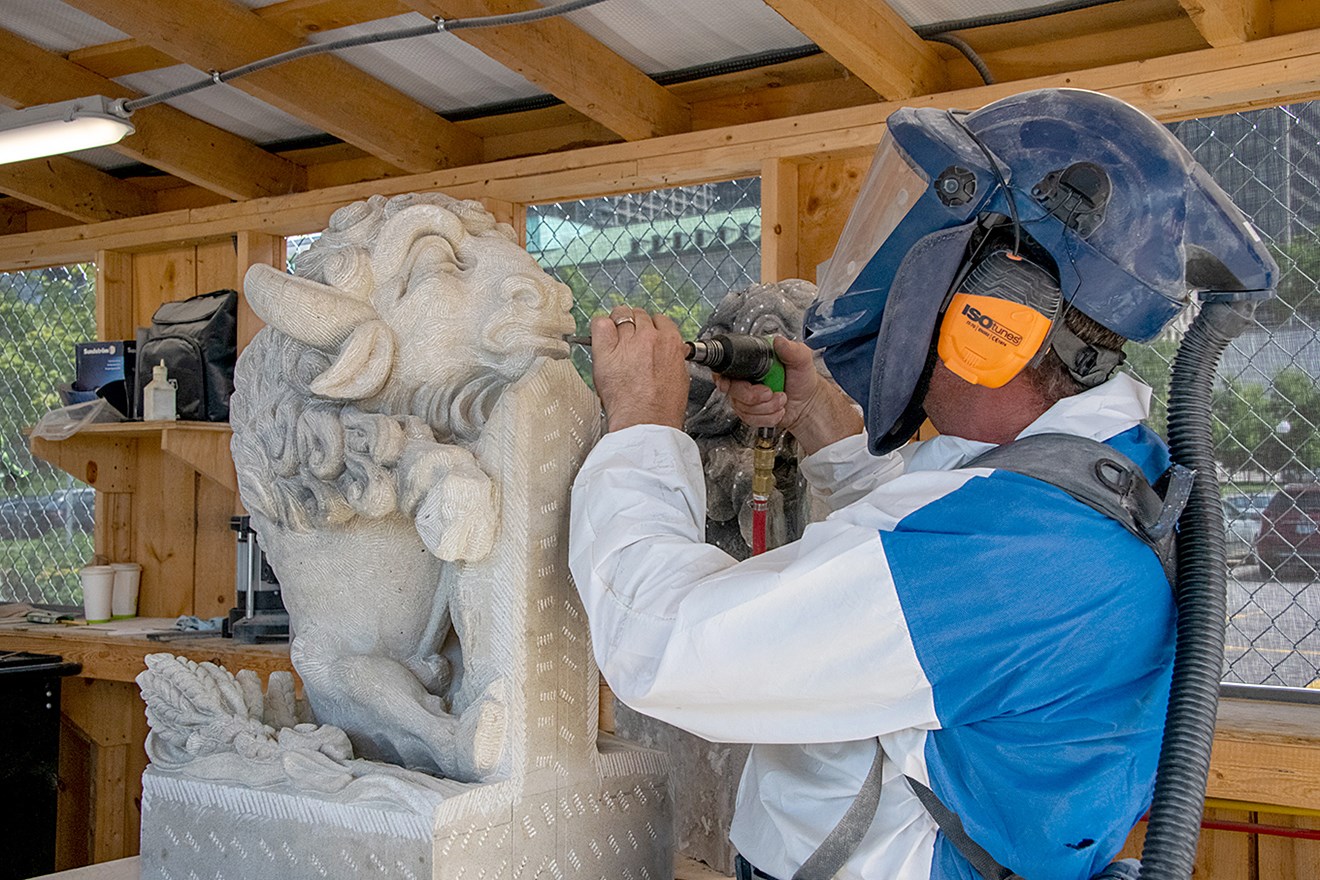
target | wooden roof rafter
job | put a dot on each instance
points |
(326, 92)
(297, 17)
(1229, 22)
(74, 189)
(571, 65)
(870, 39)
(165, 138)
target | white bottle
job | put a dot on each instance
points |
(158, 398)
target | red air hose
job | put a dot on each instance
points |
(760, 507)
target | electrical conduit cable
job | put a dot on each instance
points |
(1189, 726)
(437, 25)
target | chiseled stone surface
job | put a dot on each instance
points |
(406, 429)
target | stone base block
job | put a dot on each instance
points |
(613, 827)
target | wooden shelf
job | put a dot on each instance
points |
(107, 655)
(103, 456)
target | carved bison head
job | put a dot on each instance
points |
(412, 292)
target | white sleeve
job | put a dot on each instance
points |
(846, 471)
(806, 643)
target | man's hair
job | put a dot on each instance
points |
(1051, 377)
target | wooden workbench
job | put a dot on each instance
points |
(104, 723)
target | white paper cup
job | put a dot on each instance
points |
(127, 577)
(98, 583)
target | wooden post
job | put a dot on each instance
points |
(779, 220)
(253, 248)
(114, 295)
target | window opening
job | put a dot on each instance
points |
(45, 514)
(676, 251)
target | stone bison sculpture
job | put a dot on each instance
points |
(358, 420)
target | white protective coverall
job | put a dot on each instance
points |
(1010, 647)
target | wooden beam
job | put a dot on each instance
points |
(870, 39)
(298, 17)
(324, 91)
(1096, 37)
(1229, 22)
(166, 138)
(575, 67)
(74, 189)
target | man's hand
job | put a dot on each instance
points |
(812, 409)
(637, 362)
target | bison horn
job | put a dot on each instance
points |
(362, 368)
(311, 312)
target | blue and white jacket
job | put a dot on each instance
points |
(1009, 646)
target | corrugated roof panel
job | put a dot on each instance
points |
(919, 12)
(223, 106)
(55, 26)
(663, 35)
(439, 70)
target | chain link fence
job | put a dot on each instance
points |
(1266, 404)
(295, 245)
(675, 251)
(45, 515)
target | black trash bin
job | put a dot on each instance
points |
(29, 760)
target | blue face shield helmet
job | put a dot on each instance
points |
(1132, 224)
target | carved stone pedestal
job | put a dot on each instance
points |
(615, 826)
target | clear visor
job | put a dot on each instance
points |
(892, 187)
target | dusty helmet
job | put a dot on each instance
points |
(1133, 225)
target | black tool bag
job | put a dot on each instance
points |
(197, 339)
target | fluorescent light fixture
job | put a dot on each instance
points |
(66, 127)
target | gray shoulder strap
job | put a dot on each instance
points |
(842, 842)
(839, 845)
(952, 828)
(1104, 480)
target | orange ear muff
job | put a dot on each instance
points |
(987, 341)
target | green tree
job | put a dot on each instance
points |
(1243, 430)
(43, 313)
(677, 298)
(1151, 363)
(1296, 414)
(1299, 283)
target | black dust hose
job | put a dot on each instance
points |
(1189, 727)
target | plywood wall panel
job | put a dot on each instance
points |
(160, 277)
(826, 192)
(217, 266)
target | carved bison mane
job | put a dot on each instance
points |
(321, 430)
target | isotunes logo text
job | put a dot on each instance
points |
(988, 323)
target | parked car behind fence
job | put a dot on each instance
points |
(30, 516)
(1289, 539)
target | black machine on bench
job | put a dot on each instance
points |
(258, 615)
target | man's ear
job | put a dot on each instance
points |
(363, 366)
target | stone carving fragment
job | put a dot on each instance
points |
(771, 309)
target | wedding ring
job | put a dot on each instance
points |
(619, 322)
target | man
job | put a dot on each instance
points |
(1004, 645)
